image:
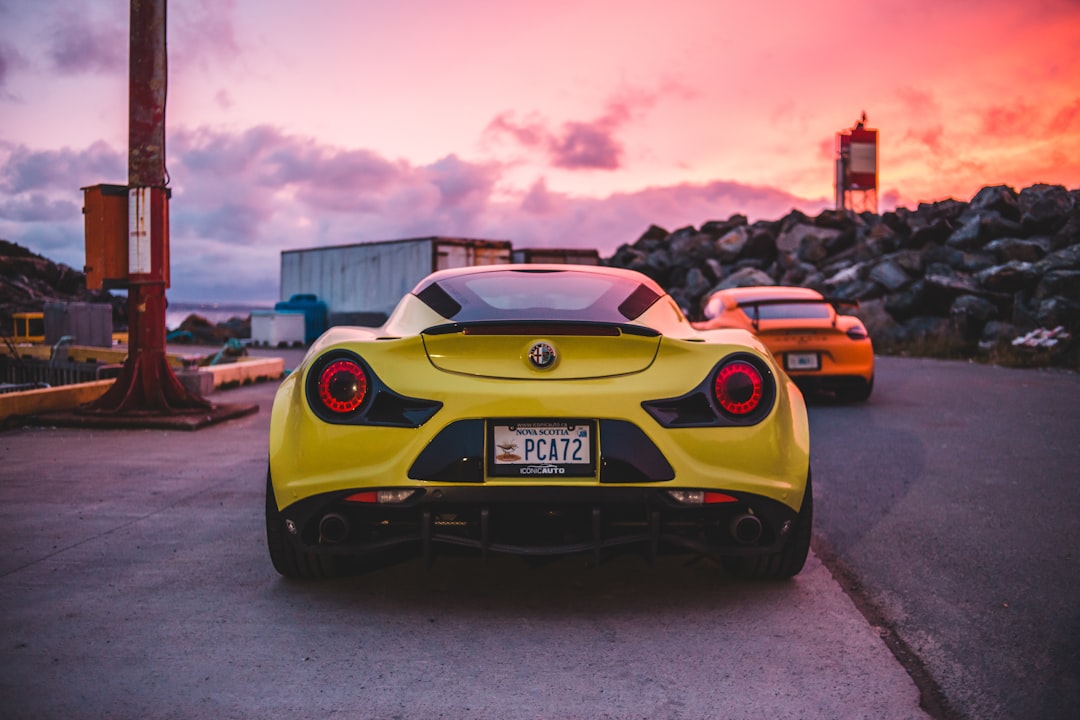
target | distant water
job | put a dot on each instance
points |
(215, 313)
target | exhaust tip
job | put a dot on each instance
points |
(746, 529)
(333, 529)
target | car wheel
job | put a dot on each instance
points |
(787, 562)
(288, 560)
(860, 392)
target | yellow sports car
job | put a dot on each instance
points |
(819, 348)
(538, 410)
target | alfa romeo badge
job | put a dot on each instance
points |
(542, 355)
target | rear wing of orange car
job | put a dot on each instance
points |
(755, 318)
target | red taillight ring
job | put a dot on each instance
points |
(739, 387)
(342, 386)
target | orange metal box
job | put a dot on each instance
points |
(105, 214)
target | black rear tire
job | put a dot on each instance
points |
(288, 560)
(789, 561)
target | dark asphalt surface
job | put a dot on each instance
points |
(952, 500)
(134, 582)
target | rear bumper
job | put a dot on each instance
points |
(810, 383)
(840, 358)
(539, 521)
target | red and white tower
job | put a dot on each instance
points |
(856, 168)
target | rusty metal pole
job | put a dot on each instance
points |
(147, 384)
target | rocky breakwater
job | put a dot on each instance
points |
(996, 278)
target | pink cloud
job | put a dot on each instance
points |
(585, 146)
(930, 136)
(10, 59)
(575, 144)
(24, 170)
(538, 200)
(223, 99)
(232, 184)
(1065, 119)
(918, 103)
(79, 45)
(461, 182)
(37, 208)
(531, 134)
(1007, 121)
(203, 33)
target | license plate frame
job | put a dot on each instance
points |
(542, 448)
(802, 361)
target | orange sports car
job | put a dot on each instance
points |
(817, 346)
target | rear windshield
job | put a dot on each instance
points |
(792, 311)
(538, 295)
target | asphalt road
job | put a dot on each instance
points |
(134, 582)
(949, 504)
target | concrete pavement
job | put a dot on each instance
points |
(134, 582)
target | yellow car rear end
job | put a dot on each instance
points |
(580, 433)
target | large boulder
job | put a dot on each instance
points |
(792, 238)
(745, 277)
(1009, 277)
(890, 275)
(980, 229)
(1044, 208)
(970, 313)
(1022, 249)
(730, 245)
(1000, 199)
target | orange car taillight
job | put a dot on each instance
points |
(739, 387)
(857, 333)
(342, 386)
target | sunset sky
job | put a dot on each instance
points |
(573, 123)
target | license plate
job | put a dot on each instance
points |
(541, 448)
(802, 361)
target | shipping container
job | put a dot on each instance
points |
(85, 323)
(370, 278)
(564, 256)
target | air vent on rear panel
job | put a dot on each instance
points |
(439, 300)
(639, 301)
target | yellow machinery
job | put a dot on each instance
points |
(29, 327)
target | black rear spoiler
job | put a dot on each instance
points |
(541, 327)
(835, 302)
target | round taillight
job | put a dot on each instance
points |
(342, 386)
(739, 387)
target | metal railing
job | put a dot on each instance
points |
(32, 372)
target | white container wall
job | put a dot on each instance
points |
(270, 328)
(373, 277)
